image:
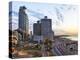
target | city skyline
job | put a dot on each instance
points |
(61, 15)
(42, 28)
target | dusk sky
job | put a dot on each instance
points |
(64, 17)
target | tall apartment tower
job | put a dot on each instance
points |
(37, 32)
(37, 28)
(23, 22)
(46, 28)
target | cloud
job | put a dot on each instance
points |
(59, 15)
(13, 21)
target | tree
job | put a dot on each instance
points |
(48, 44)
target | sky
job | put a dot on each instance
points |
(64, 17)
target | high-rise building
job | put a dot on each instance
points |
(37, 28)
(23, 22)
(42, 30)
(46, 28)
